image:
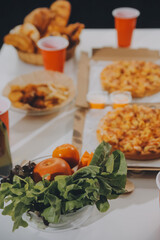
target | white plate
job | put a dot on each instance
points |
(42, 77)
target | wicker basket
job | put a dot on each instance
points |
(36, 58)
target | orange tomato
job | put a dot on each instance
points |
(67, 152)
(86, 158)
(52, 166)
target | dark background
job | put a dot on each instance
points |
(93, 13)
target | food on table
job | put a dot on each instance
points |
(67, 152)
(86, 159)
(23, 37)
(52, 166)
(103, 179)
(120, 99)
(62, 11)
(70, 32)
(40, 96)
(40, 18)
(40, 92)
(27, 29)
(97, 100)
(20, 41)
(133, 129)
(43, 22)
(138, 77)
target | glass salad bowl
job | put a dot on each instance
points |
(66, 222)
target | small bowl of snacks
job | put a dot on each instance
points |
(120, 99)
(40, 93)
(57, 192)
(97, 100)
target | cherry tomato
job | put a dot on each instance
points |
(67, 152)
(52, 166)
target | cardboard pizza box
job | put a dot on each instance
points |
(108, 54)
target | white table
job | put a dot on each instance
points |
(133, 216)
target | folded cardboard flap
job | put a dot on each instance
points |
(109, 53)
(79, 119)
(83, 80)
(147, 169)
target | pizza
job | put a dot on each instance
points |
(134, 129)
(139, 77)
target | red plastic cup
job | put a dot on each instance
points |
(53, 50)
(4, 107)
(125, 22)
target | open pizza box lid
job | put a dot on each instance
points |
(108, 54)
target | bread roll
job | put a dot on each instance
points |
(40, 18)
(20, 41)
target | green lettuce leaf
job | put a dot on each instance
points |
(52, 213)
(102, 204)
(101, 154)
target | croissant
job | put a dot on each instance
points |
(40, 18)
(74, 30)
(52, 27)
(27, 29)
(71, 32)
(20, 41)
(62, 11)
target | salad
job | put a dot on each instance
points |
(53, 187)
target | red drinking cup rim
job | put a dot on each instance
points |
(132, 12)
(7, 105)
(57, 40)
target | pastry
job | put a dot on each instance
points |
(74, 30)
(20, 41)
(62, 11)
(27, 29)
(40, 18)
(71, 32)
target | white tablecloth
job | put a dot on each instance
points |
(132, 216)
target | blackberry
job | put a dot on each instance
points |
(23, 172)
